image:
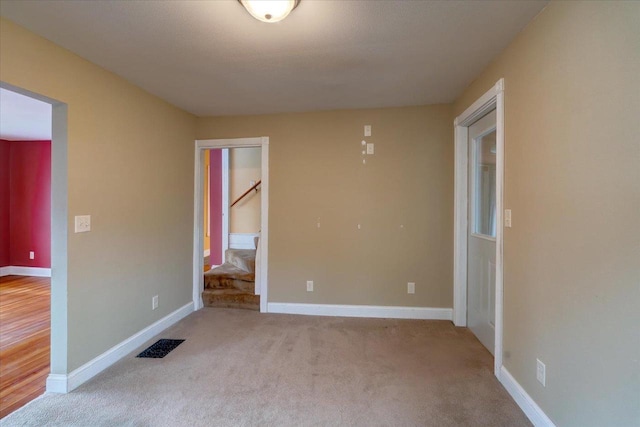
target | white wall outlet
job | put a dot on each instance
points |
(541, 372)
(507, 218)
(367, 130)
(411, 288)
(370, 148)
(309, 285)
(154, 302)
(82, 223)
(32, 255)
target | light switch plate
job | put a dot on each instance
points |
(367, 130)
(411, 288)
(370, 148)
(82, 223)
(507, 218)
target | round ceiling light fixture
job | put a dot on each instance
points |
(269, 10)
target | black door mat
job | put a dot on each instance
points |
(160, 349)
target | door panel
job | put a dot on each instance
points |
(481, 256)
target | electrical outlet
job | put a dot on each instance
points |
(154, 302)
(411, 288)
(541, 372)
(32, 255)
(370, 148)
(309, 285)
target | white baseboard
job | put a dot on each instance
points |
(25, 271)
(424, 313)
(242, 240)
(60, 383)
(207, 252)
(530, 408)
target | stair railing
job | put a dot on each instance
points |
(254, 187)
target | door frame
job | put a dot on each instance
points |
(198, 220)
(58, 366)
(225, 201)
(492, 99)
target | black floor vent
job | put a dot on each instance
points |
(160, 349)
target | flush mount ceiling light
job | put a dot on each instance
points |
(269, 10)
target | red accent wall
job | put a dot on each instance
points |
(30, 203)
(215, 205)
(5, 149)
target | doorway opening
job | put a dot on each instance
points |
(33, 259)
(478, 220)
(231, 215)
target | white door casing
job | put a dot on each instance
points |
(492, 99)
(262, 264)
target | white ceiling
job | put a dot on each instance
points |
(23, 118)
(213, 58)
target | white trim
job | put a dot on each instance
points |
(59, 224)
(242, 240)
(384, 312)
(493, 98)
(530, 408)
(200, 146)
(25, 271)
(207, 252)
(58, 383)
(225, 201)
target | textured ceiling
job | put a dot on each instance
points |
(213, 58)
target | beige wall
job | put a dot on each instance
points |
(244, 167)
(130, 166)
(316, 174)
(572, 258)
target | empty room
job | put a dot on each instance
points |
(329, 212)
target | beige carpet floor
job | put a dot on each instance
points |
(242, 368)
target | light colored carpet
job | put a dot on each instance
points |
(241, 368)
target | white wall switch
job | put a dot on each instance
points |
(154, 302)
(370, 148)
(82, 223)
(411, 288)
(309, 285)
(507, 218)
(32, 255)
(367, 130)
(541, 372)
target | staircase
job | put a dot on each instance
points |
(232, 285)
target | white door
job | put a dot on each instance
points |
(481, 257)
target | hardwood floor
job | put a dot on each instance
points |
(25, 329)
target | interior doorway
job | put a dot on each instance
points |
(202, 150)
(56, 286)
(478, 223)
